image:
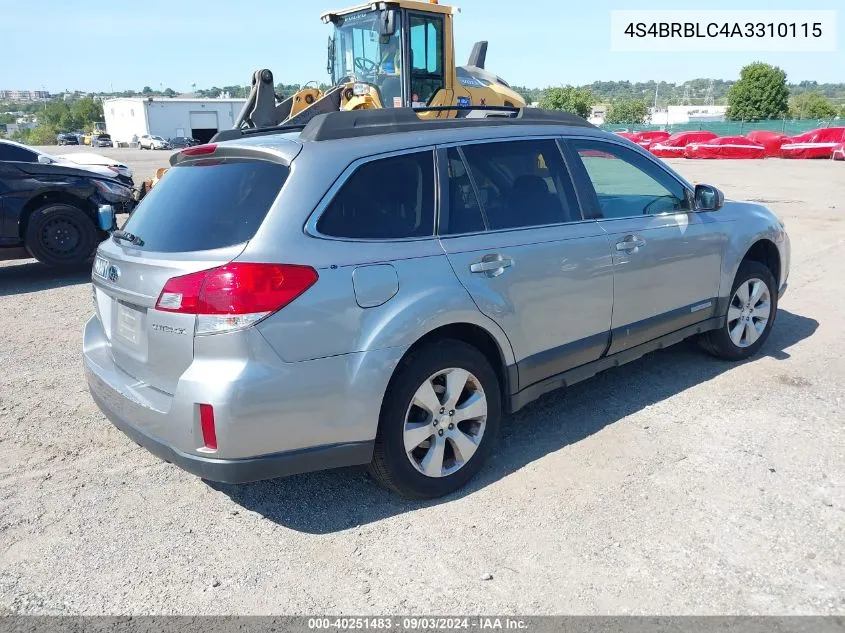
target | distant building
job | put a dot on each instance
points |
(169, 117)
(688, 114)
(23, 95)
(16, 128)
(598, 113)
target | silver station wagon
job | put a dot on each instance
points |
(379, 288)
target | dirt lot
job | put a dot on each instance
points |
(677, 484)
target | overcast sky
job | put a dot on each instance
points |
(112, 44)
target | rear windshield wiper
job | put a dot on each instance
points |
(129, 237)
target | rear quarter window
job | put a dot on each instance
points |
(384, 199)
(207, 204)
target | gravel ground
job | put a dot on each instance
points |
(677, 484)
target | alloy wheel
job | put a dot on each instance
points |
(749, 312)
(445, 422)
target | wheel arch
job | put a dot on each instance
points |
(765, 251)
(481, 339)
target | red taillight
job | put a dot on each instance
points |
(199, 150)
(236, 288)
(209, 434)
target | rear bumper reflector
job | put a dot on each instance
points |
(209, 435)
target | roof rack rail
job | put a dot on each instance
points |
(357, 123)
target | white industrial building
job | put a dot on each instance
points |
(159, 116)
(688, 114)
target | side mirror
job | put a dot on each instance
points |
(387, 22)
(45, 160)
(708, 198)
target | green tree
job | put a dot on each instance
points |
(568, 99)
(7, 118)
(811, 105)
(21, 136)
(42, 135)
(169, 92)
(633, 111)
(147, 91)
(760, 93)
(236, 92)
(531, 95)
(85, 112)
(842, 112)
(57, 115)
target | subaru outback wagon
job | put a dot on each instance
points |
(374, 288)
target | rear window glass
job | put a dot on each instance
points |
(207, 204)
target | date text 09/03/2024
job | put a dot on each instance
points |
(417, 623)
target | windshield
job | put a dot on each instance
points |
(157, 138)
(360, 54)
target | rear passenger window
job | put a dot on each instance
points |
(522, 183)
(389, 198)
(464, 210)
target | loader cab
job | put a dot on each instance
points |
(400, 51)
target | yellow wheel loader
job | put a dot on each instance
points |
(396, 54)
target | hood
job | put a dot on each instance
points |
(92, 161)
(89, 159)
(67, 168)
(99, 170)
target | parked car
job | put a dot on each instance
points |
(67, 139)
(99, 165)
(152, 142)
(403, 283)
(101, 140)
(183, 141)
(54, 211)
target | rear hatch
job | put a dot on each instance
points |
(198, 217)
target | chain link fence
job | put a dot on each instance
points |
(790, 127)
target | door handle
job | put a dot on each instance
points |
(491, 265)
(630, 243)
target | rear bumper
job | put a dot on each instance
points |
(271, 418)
(238, 471)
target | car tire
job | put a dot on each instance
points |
(450, 391)
(61, 235)
(751, 314)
